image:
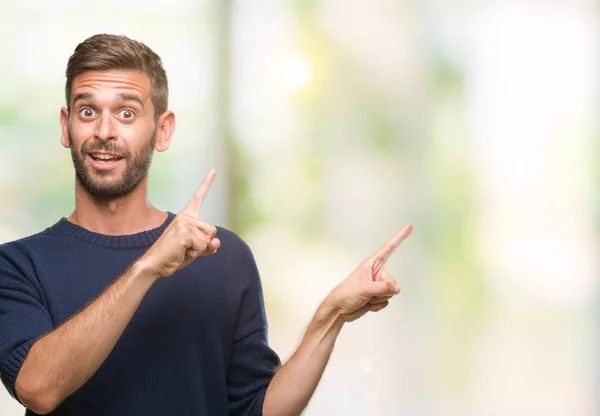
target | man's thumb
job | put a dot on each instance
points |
(381, 288)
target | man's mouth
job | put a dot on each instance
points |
(104, 161)
(105, 157)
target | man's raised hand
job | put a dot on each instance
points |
(369, 286)
(186, 237)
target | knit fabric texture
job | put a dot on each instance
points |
(197, 344)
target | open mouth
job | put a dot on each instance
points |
(103, 161)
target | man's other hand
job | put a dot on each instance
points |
(369, 287)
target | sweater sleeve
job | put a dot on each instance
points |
(23, 317)
(253, 363)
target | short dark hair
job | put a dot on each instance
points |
(104, 52)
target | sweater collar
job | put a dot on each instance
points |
(137, 240)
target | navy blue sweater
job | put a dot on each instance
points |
(197, 344)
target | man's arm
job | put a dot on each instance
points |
(368, 288)
(60, 362)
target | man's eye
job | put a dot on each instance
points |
(87, 112)
(126, 114)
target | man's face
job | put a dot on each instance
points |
(111, 131)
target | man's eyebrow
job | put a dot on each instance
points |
(123, 96)
(131, 97)
(82, 96)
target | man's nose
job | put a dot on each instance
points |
(105, 128)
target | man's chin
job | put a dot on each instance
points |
(105, 189)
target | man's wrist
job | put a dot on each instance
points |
(328, 313)
(142, 268)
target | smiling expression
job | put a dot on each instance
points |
(110, 128)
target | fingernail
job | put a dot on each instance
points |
(397, 287)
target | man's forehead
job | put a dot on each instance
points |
(117, 79)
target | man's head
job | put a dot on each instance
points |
(105, 52)
(116, 113)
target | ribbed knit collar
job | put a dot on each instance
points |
(137, 240)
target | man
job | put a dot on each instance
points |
(122, 309)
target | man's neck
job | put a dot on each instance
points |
(129, 214)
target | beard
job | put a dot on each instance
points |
(98, 183)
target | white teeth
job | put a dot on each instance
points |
(104, 157)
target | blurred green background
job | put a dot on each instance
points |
(331, 125)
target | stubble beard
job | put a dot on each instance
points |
(136, 168)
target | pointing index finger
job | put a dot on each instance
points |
(388, 248)
(193, 207)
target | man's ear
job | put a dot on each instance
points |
(165, 127)
(64, 127)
